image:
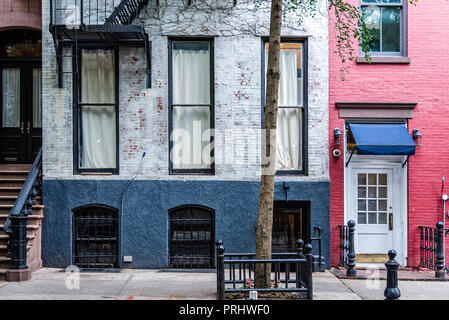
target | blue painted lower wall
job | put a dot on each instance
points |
(145, 221)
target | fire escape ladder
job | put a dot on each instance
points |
(125, 12)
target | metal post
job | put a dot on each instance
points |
(18, 242)
(217, 244)
(392, 291)
(351, 272)
(439, 256)
(221, 273)
(308, 273)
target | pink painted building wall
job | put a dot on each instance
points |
(423, 80)
(15, 14)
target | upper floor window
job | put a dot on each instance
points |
(290, 131)
(191, 107)
(97, 109)
(385, 20)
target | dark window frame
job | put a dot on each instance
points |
(387, 56)
(304, 129)
(83, 208)
(212, 213)
(284, 207)
(77, 103)
(206, 171)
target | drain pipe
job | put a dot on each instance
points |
(121, 205)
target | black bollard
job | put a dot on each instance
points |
(351, 272)
(218, 243)
(439, 272)
(392, 291)
(221, 273)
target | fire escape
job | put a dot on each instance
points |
(74, 22)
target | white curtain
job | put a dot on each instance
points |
(191, 124)
(288, 132)
(98, 129)
(288, 139)
(37, 100)
(11, 97)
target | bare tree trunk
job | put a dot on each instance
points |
(266, 193)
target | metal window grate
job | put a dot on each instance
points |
(95, 237)
(192, 238)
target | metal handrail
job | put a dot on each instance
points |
(28, 193)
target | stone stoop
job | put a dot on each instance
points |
(12, 178)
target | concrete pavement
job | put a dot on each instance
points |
(55, 284)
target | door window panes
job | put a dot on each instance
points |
(37, 101)
(372, 206)
(11, 97)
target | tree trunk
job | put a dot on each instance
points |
(266, 193)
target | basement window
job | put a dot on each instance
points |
(192, 237)
(95, 237)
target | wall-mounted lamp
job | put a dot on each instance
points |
(416, 134)
(337, 135)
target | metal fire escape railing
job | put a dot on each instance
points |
(125, 12)
(16, 223)
(74, 22)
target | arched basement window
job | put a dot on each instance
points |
(192, 237)
(95, 237)
(20, 43)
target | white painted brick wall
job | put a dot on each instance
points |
(144, 113)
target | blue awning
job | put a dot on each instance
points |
(382, 139)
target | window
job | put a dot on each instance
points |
(385, 20)
(192, 237)
(95, 237)
(21, 43)
(191, 107)
(290, 132)
(97, 111)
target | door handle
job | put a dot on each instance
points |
(390, 221)
(29, 127)
(22, 128)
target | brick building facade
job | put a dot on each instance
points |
(406, 84)
(150, 208)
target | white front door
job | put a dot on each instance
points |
(371, 204)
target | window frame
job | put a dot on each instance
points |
(402, 29)
(202, 171)
(170, 239)
(77, 103)
(304, 129)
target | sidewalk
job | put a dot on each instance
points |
(50, 284)
(54, 284)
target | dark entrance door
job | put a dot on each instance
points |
(291, 221)
(20, 96)
(21, 111)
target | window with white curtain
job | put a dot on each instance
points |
(191, 107)
(289, 131)
(97, 111)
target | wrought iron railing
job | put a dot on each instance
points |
(347, 251)
(125, 12)
(291, 271)
(16, 223)
(431, 248)
(94, 12)
(318, 239)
